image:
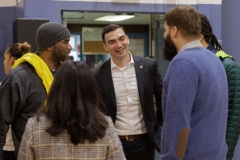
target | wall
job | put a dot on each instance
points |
(51, 9)
(213, 12)
(6, 19)
(231, 26)
(230, 35)
(9, 11)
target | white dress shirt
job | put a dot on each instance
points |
(129, 118)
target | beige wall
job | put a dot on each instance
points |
(7, 3)
(193, 2)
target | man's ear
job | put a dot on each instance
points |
(174, 31)
(105, 47)
(201, 37)
(50, 48)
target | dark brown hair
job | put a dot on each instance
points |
(18, 49)
(73, 103)
(185, 18)
(206, 30)
(110, 28)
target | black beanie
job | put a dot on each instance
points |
(50, 33)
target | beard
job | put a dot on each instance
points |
(58, 55)
(169, 50)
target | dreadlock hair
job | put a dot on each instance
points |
(206, 30)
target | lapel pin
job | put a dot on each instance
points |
(141, 67)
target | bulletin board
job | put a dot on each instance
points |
(138, 44)
(92, 41)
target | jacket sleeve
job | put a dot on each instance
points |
(233, 123)
(9, 101)
(115, 150)
(26, 148)
(158, 85)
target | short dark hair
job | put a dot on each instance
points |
(206, 30)
(185, 18)
(110, 28)
(73, 103)
(17, 50)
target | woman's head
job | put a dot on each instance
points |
(74, 104)
(207, 32)
(74, 81)
(12, 53)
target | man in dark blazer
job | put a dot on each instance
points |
(128, 85)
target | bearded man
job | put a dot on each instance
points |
(195, 92)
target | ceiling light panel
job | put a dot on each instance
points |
(114, 18)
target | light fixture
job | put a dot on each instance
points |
(74, 15)
(114, 18)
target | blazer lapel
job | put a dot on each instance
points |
(107, 78)
(139, 68)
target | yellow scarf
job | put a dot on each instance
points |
(40, 66)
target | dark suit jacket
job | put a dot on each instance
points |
(149, 85)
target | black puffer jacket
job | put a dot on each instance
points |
(233, 123)
(21, 95)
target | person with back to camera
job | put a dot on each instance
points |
(195, 92)
(128, 85)
(209, 41)
(23, 90)
(12, 53)
(70, 123)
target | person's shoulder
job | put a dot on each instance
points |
(33, 120)
(23, 68)
(142, 58)
(195, 54)
(184, 59)
(96, 70)
(230, 63)
(39, 119)
(15, 75)
(109, 119)
(38, 123)
(146, 61)
(23, 71)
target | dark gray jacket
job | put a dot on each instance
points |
(21, 95)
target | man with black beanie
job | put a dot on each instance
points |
(23, 91)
